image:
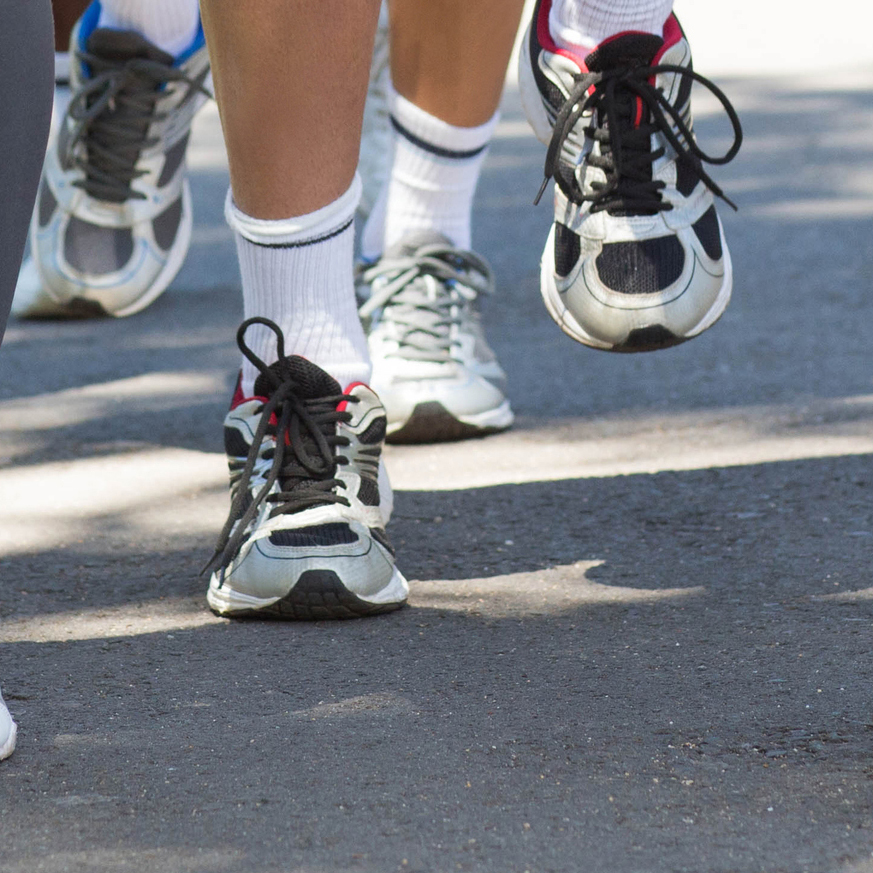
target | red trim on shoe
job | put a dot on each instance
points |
(544, 37)
(672, 34)
(239, 398)
(349, 389)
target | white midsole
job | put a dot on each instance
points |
(224, 599)
(566, 321)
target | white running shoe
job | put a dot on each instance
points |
(305, 538)
(636, 259)
(8, 731)
(432, 367)
(112, 224)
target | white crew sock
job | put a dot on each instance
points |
(170, 24)
(298, 273)
(434, 172)
(581, 25)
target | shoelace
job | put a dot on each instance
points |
(114, 139)
(425, 295)
(302, 445)
(626, 154)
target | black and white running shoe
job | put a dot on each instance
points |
(636, 259)
(305, 538)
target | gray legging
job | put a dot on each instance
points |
(26, 63)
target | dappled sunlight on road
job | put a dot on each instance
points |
(542, 592)
(641, 443)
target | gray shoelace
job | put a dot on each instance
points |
(425, 296)
(112, 114)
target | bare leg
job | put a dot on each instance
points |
(449, 57)
(291, 112)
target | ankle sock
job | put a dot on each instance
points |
(171, 25)
(581, 25)
(434, 172)
(298, 272)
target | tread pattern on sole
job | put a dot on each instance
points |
(318, 595)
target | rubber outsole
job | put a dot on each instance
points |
(431, 422)
(319, 595)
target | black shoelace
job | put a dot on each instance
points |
(626, 155)
(302, 447)
(113, 112)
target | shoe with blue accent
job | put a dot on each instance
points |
(112, 223)
(636, 259)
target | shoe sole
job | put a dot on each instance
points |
(318, 595)
(431, 422)
(650, 338)
(43, 305)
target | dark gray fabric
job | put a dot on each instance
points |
(27, 65)
(97, 250)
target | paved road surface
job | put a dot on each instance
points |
(639, 633)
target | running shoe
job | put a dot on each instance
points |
(113, 220)
(433, 369)
(636, 259)
(8, 731)
(305, 538)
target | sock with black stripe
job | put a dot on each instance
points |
(434, 172)
(298, 272)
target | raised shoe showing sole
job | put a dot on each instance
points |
(305, 537)
(432, 367)
(112, 224)
(636, 259)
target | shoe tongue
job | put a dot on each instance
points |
(627, 50)
(409, 245)
(310, 382)
(124, 45)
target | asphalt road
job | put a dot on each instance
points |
(639, 632)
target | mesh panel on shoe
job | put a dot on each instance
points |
(235, 444)
(323, 535)
(97, 250)
(172, 161)
(310, 381)
(47, 204)
(629, 50)
(567, 249)
(166, 225)
(643, 267)
(707, 231)
(375, 433)
(368, 493)
(686, 178)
